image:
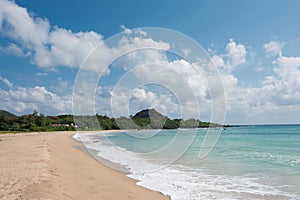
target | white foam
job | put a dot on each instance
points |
(182, 182)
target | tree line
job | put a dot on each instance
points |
(145, 119)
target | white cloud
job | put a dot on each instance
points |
(14, 50)
(259, 69)
(174, 75)
(273, 48)
(63, 87)
(288, 69)
(236, 54)
(271, 102)
(142, 99)
(288, 62)
(66, 48)
(147, 51)
(141, 32)
(141, 43)
(41, 74)
(48, 46)
(288, 84)
(125, 29)
(277, 92)
(218, 61)
(269, 80)
(127, 103)
(21, 26)
(24, 100)
(6, 82)
(178, 77)
(186, 52)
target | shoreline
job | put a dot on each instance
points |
(53, 165)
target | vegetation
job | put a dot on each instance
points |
(4, 112)
(36, 122)
(145, 119)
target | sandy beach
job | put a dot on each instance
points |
(52, 166)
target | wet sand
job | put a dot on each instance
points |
(54, 166)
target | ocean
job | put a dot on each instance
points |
(247, 162)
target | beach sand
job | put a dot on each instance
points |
(52, 166)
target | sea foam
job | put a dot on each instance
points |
(180, 182)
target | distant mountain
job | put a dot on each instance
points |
(6, 113)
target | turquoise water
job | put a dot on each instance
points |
(250, 162)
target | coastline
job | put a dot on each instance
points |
(52, 165)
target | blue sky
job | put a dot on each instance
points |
(254, 44)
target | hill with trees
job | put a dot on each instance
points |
(6, 113)
(145, 119)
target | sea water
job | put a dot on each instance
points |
(248, 162)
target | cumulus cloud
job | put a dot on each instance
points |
(51, 46)
(277, 92)
(66, 48)
(6, 82)
(142, 99)
(125, 103)
(273, 48)
(178, 77)
(218, 61)
(13, 49)
(25, 100)
(125, 29)
(288, 69)
(288, 62)
(146, 51)
(236, 54)
(19, 25)
(288, 84)
(47, 46)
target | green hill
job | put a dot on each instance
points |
(149, 118)
(6, 113)
(145, 119)
(149, 113)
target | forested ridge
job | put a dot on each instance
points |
(145, 119)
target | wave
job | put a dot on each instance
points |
(180, 181)
(272, 158)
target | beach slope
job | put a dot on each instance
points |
(52, 166)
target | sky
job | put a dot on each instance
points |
(254, 45)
